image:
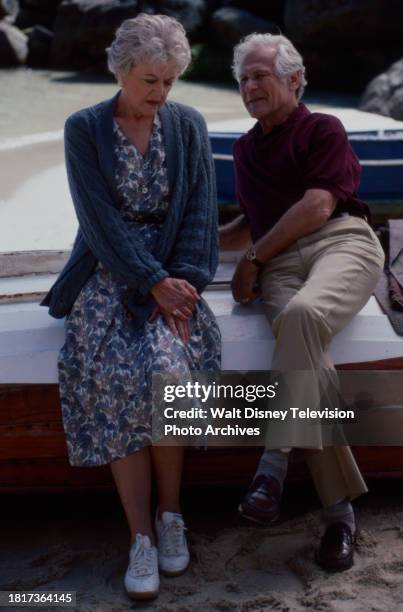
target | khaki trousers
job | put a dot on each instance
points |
(310, 292)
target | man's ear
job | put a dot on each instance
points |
(294, 80)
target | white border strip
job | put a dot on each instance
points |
(363, 162)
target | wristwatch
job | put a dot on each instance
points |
(251, 256)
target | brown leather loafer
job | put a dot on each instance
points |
(336, 550)
(261, 503)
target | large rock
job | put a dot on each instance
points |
(29, 17)
(345, 43)
(13, 45)
(37, 12)
(384, 94)
(271, 10)
(84, 28)
(9, 8)
(213, 5)
(345, 22)
(39, 45)
(191, 13)
(340, 69)
(229, 25)
(40, 5)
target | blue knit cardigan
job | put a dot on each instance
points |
(188, 244)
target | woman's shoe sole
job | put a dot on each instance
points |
(174, 573)
(143, 596)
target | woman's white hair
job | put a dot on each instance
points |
(148, 38)
(286, 61)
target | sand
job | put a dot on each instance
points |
(36, 211)
(79, 542)
(37, 101)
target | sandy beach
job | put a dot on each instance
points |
(36, 212)
(35, 206)
(79, 542)
(38, 101)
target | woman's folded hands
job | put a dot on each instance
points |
(176, 299)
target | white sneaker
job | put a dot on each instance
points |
(173, 552)
(142, 580)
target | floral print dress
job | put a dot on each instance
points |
(105, 364)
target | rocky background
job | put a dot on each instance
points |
(348, 45)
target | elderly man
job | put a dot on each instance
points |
(313, 259)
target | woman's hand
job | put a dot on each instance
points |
(176, 297)
(177, 326)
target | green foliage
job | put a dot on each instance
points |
(209, 64)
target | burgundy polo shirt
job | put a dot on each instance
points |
(306, 151)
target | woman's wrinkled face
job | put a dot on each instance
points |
(147, 86)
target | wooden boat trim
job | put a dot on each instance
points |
(33, 454)
(395, 363)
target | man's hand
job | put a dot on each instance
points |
(244, 283)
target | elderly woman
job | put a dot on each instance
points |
(142, 182)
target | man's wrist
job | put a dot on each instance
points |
(252, 257)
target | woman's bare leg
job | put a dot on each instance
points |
(168, 463)
(132, 477)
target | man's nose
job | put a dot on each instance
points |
(249, 85)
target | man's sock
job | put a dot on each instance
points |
(341, 512)
(273, 463)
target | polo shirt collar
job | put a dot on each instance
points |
(300, 111)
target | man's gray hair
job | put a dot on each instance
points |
(148, 38)
(286, 61)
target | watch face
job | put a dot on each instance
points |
(251, 254)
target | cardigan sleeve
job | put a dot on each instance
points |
(104, 231)
(195, 255)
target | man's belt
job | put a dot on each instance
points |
(354, 213)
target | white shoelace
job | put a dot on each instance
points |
(172, 538)
(141, 558)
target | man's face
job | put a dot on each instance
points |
(265, 95)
